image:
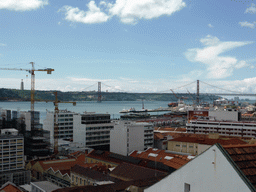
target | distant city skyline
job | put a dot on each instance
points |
(129, 45)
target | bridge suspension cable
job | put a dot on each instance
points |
(115, 88)
(184, 85)
(89, 86)
(222, 88)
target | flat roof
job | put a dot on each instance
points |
(11, 137)
(213, 121)
(45, 185)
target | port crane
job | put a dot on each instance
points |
(177, 96)
(191, 97)
(56, 125)
(32, 72)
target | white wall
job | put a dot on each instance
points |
(224, 115)
(203, 175)
(79, 130)
(136, 138)
(120, 137)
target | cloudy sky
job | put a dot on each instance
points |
(129, 45)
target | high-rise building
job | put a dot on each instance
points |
(65, 124)
(129, 135)
(26, 115)
(12, 158)
(93, 130)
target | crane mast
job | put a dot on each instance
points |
(32, 72)
(56, 125)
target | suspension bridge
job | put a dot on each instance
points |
(184, 92)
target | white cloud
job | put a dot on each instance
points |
(247, 85)
(248, 24)
(128, 11)
(217, 66)
(251, 9)
(93, 15)
(210, 25)
(22, 5)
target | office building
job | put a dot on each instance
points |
(93, 130)
(65, 121)
(129, 135)
(12, 158)
(226, 123)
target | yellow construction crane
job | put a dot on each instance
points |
(32, 72)
(56, 125)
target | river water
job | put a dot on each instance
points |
(111, 107)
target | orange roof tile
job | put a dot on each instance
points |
(247, 114)
(167, 158)
(62, 165)
(244, 157)
(10, 187)
(158, 136)
(208, 141)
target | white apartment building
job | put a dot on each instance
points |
(226, 123)
(129, 135)
(65, 121)
(92, 130)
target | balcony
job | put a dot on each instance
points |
(6, 149)
(95, 135)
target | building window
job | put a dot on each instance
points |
(184, 145)
(177, 145)
(186, 187)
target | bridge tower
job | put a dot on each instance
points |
(99, 91)
(197, 93)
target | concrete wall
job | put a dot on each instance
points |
(118, 139)
(126, 137)
(209, 171)
(79, 131)
(184, 147)
(224, 115)
(136, 138)
(202, 148)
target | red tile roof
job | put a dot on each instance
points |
(91, 173)
(116, 187)
(63, 165)
(171, 160)
(134, 172)
(244, 157)
(208, 141)
(104, 156)
(10, 187)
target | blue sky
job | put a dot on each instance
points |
(129, 45)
